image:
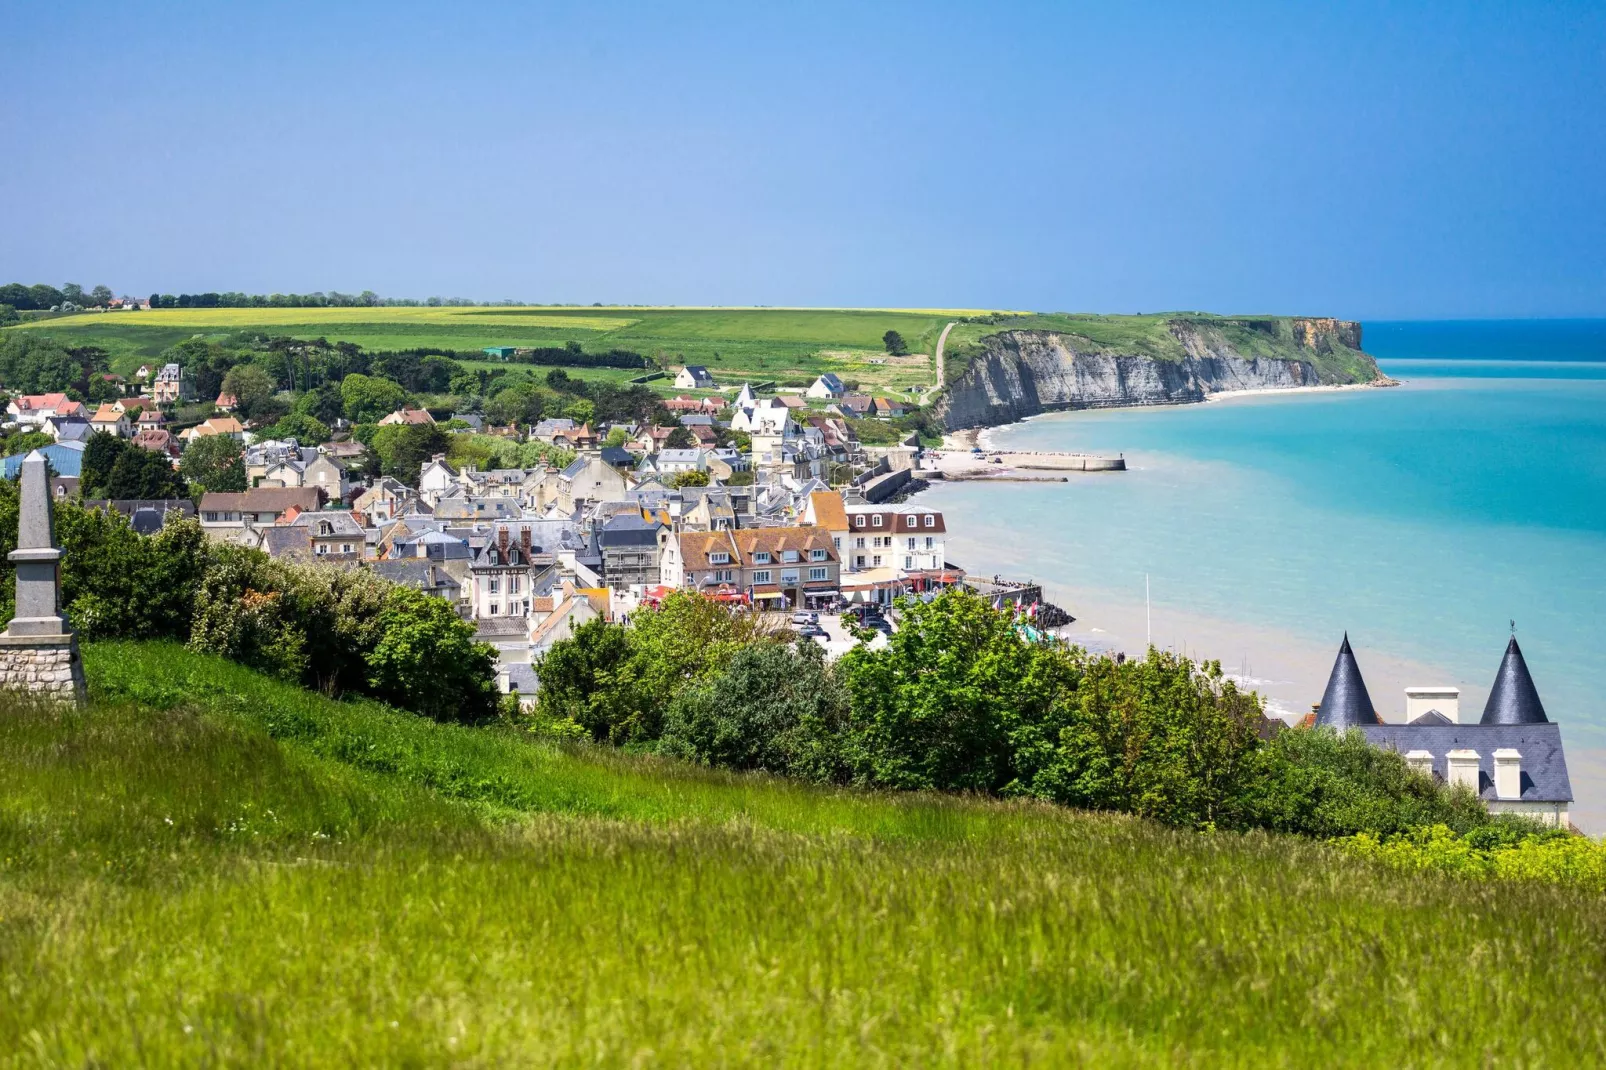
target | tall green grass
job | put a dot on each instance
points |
(207, 867)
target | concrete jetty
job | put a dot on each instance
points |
(1018, 465)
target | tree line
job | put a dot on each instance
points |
(41, 297)
(333, 630)
(958, 700)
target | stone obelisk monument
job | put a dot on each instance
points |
(38, 652)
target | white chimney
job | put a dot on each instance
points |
(1420, 700)
(1507, 774)
(1421, 761)
(1462, 766)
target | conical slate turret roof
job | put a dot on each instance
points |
(1345, 703)
(1514, 699)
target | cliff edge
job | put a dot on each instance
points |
(1041, 364)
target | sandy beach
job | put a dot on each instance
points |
(1050, 536)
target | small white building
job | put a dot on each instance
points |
(694, 377)
(826, 386)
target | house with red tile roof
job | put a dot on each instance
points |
(783, 567)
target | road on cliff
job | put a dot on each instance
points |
(942, 340)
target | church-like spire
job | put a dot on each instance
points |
(1345, 703)
(1514, 699)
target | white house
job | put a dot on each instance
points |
(826, 386)
(694, 377)
(908, 538)
(436, 478)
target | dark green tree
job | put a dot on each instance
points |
(251, 387)
(427, 660)
(214, 462)
(367, 398)
(778, 707)
(142, 473)
(586, 678)
(402, 449)
(306, 430)
(895, 343)
(956, 700)
(322, 403)
(100, 456)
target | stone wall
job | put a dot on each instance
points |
(48, 666)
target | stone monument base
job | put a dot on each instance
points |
(43, 665)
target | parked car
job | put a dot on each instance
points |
(813, 631)
(805, 618)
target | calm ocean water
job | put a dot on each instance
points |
(1421, 519)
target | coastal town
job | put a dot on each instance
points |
(764, 502)
(804, 521)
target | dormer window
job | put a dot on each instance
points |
(720, 558)
(761, 557)
(931, 521)
(858, 521)
(816, 555)
(789, 556)
(878, 520)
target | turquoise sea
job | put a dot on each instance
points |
(1422, 519)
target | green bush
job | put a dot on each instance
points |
(617, 682)
(1319, 783)
(426, 659)
(777, 707)
(1502, 850)
(330, 629)
(1160, 737)
(959, 700)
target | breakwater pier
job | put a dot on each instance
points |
(1014, 466)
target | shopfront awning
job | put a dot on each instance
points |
(760, 596)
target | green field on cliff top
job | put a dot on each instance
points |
(787, 345)
(207, 867)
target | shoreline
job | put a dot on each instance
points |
(965, 438)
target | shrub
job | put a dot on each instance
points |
(118, 583)
(241, 613)
(953, 699)
(777, 707)
(586, 679)
(1319, 783)
(1159, 737)
(1502, 850)
(426, 659)
(617, 682)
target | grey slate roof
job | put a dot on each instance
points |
(521, 677)
(628, 529)
(1345, 703)
(420, 574)
(1544, 766)
(1514, 699)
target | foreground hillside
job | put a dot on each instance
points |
(208, 866)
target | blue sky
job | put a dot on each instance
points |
(1361, 160)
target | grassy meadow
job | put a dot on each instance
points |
(751, 343)
(210, 867)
